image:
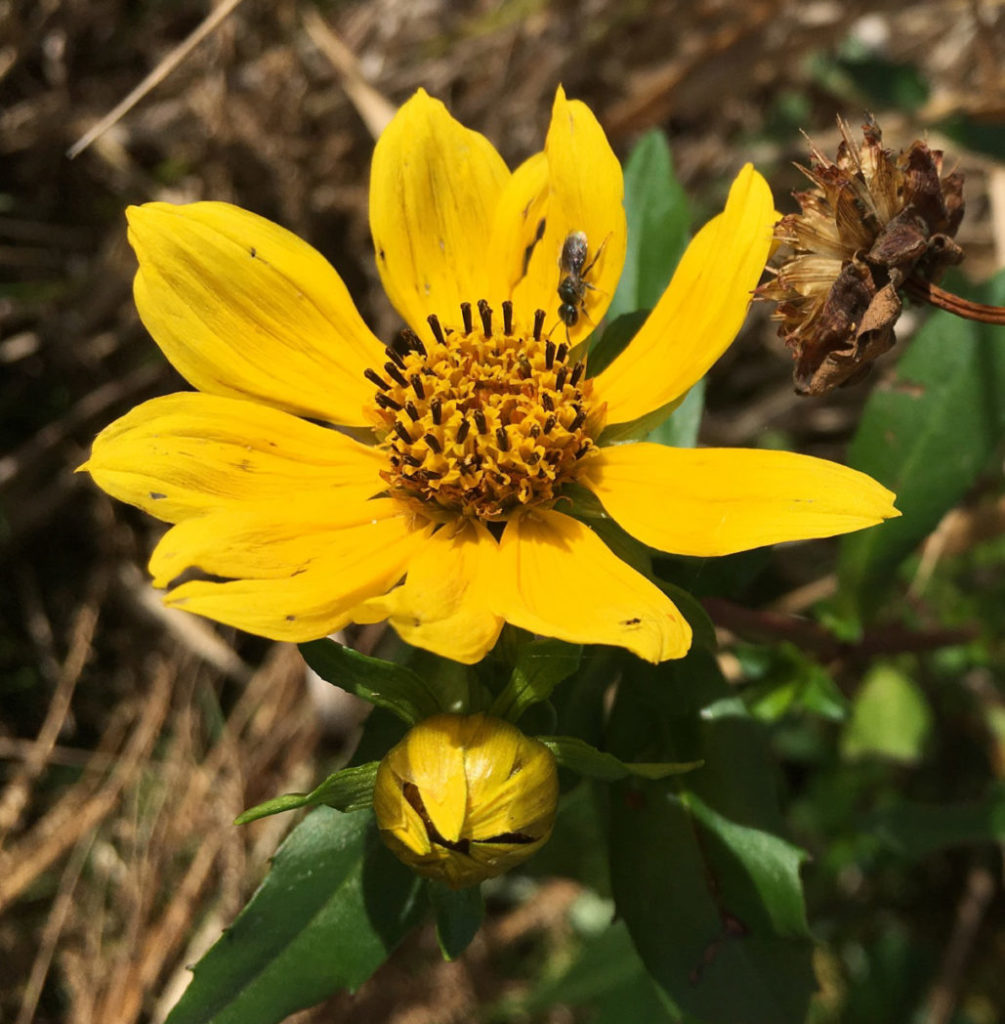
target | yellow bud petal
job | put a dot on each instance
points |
(463, 798)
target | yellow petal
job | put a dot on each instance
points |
(435, 763)
(585, 194)
(188, 453)
(521, 213)
(701, 311)
(714, 501)
(444, 605)
(291, 577)
(434, 186)
(402, 827)
(558, 578)
(243, 308)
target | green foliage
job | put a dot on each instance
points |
(607, 976)
(927, 435)
(458, 914)
(350, 789)
(709, 890)
(333, 905)
(889, 718)
(659, 224)
(540, 666)
(383, 683)
(572, 752)
(918, 830)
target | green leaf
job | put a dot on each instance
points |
(333, 906)
(926, 435)
(890, 718)
(710, 892)
(390, 686)
(350, 789)
(606, 347)
(786, 681)
(917, 830)
(574, 753)
(608, 977)
(659, 219)
(680, 429)
(540, 666)
(702, 629)
(459, 915)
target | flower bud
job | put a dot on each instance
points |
(463, 798)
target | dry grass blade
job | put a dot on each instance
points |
(159, 73)
(79, 810)
(16, 792)
(373, 108)
(54, 925)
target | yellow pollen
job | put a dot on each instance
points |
(480, 421)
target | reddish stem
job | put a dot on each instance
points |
(925, 291)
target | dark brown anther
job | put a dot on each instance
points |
(563, 351)
(386, 402)
(535, 430)
(582, 450)
(434, 326)
(395, 374)
(507, 308)
(560, 378)
(503, 439)
(549, 354)
(402, 432)
(436, 408)
(413, 341)
(462, 431)
(394, 357)
(483, 427)
(485, 312)
(549, 424)
(526, 370)
(375, 378)
(577, 373)
(433, 442)
(547, 402)
(412, 411)
(578, 420)
(538, 323)
(412, 460)
(466, 317)
(417, 385)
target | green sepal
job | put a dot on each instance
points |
(390, 686)
(350, 789)
(579, 756)
(459, 914)
(540, 666)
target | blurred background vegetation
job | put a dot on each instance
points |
(130, 737)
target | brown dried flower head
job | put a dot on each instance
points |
(873, 222)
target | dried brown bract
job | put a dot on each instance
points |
(872, 220)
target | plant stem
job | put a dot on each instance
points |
(925, 291)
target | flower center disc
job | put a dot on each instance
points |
(482, 422)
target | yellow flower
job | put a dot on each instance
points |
(463, 798)
(442, 509)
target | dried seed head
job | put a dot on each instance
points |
(872, 220)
